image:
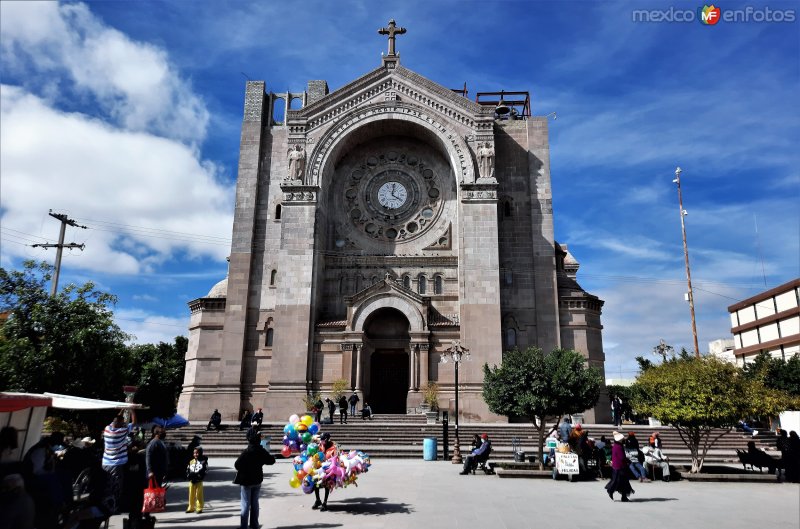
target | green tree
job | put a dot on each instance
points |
(776, 373)
(697, 395)
(67, 343)
(644, 364)
(541, 386)
(158, 372)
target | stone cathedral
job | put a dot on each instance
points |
(374, 226)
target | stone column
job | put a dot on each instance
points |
(424, 358)
(411, 367)
(358, 347)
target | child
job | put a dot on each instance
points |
(196, 471)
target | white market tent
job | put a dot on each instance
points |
(26, 413)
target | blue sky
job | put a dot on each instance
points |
(126, 116)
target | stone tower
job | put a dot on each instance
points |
(373, 227)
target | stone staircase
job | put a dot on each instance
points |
(402, 436)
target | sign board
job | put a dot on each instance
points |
(567, 463)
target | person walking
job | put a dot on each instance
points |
(327, 447)
(616, 408)
(342, 410)
(156, 456)
(196, 472)
(331, 409)
(249, 476)
(318, 407)
(619, 479)
(353, 401)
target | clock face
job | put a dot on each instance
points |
(392, 195)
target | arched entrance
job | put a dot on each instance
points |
(386, 331)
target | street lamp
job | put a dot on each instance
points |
(457, 353)
(686, 258)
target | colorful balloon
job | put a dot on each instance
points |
(286, 451)
(293, 419)
(294, 482)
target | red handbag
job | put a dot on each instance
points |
(155, 498)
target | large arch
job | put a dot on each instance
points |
(370, 121)
(388, 300)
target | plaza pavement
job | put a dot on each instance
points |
(418, 494)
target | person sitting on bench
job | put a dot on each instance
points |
(655, 457)
(478, 455)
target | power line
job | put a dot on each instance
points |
(28, 236)
(111, 226)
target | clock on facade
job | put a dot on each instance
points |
(392, 195)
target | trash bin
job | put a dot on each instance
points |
(429, 449)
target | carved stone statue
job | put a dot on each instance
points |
(486, 160)
(297, 163)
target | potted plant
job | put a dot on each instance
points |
(430, 401)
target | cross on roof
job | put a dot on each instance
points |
(392, 30)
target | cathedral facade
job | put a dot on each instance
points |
(375, 226)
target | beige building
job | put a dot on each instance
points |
(373, 227)
(769, 322)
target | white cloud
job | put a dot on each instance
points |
(74, 163)
(132, 82)
(146, 327)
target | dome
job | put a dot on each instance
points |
(220, 290)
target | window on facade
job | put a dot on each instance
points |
(509, 278)
(272, 277)
(437, 285)
(407, 281)
(511, 338)
(270, 333)
(278, 212)
(507, 208)
(422, 284)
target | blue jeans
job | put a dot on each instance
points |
(638, 470)
(250, 505)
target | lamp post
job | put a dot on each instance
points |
(683, 212)
(457, 353)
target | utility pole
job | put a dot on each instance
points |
(686, 257)
(60, 246)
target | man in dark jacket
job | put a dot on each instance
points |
(342, 410)
(249, 475)
(331, 409)
(157, 457)
(215, 421)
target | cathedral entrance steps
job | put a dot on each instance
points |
(404, 439)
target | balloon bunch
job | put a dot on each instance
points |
(298, 433)
(319, 464)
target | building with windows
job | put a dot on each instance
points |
(768, 322)
(375, 225)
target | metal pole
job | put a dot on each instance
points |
(686, 258)
(456, 448)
